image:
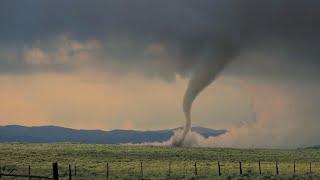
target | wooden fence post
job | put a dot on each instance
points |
(0, 171)
(310, 171)
(141, 170)
(277, 168)
(107, 170)
(294, 167)
(195, 170)
(70, 174)
(259, 167)
(240, 168)
(169, 170)
(55, 172)
(219, 169)
(29, 172)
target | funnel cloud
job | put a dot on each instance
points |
(204, 75)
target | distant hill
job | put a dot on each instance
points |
(50, 134)
(316, 147)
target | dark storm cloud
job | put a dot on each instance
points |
(187, 29)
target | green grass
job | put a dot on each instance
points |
(124, 161)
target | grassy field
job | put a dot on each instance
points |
(124, 161)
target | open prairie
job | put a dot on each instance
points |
(124, 161)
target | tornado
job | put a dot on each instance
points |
(197, 84)
(208, 69)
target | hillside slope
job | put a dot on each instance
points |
(49, 134)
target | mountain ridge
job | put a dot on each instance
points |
(51, 134)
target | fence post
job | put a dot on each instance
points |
(277, 169)
(55, 172)
(29, 172)
(310, 168)
(70, 175)
(219, 169)
(0, 171)
(259, 167)
(169, 170)
(107, 170)
(240, 167)
(294, 167)
(185, 171)
(195, 170)
(141, 170)
(75, 170)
